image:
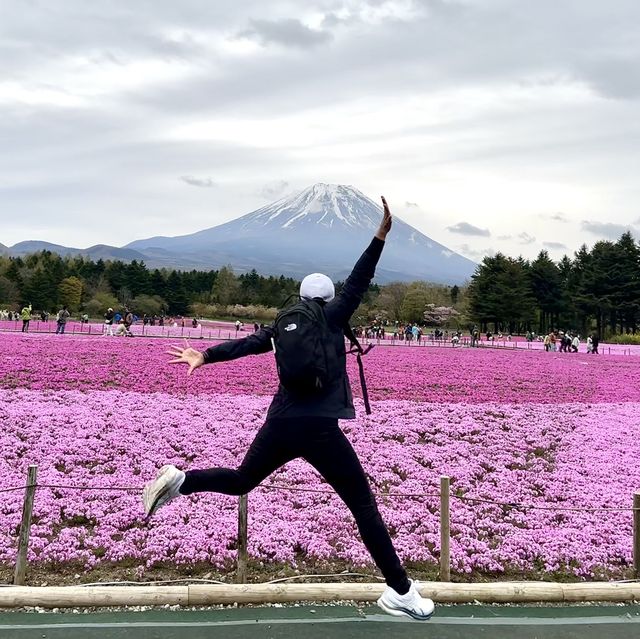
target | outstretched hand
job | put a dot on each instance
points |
(186, 355)
(385, 225)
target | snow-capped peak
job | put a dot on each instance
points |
(326, 205)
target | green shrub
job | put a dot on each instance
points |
(236, 311)
(624, 339)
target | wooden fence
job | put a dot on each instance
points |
(243, 525)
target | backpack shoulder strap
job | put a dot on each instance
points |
(286, 302)
(356, 347)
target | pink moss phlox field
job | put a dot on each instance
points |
(416, 374)
(522, 454)
(529, 427)
(214, 329)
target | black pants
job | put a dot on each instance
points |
(319, 441)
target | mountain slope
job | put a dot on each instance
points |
(97, 252)
(324, 228)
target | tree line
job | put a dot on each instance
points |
(48, 281)
(598, 290)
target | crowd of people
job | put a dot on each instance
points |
(410, 332)
(567, 342)
(124, 320)
(116, 323)
(554, 341)
(27, 314)
(119, 323)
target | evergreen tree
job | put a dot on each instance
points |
(116, 275)
(137, 278)
(9, 293)
(546, 289)
(484, 296)
(500, 294)
(454, 293)
(226, 287)
(177, 298)
(626, 273)
(158, 284)
(594, 293)
(569, 274)
(39, 290)
(250, 285)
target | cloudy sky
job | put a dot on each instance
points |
(489, 124)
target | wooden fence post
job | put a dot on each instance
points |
(636, 534)
(241, 575)
(445, 530)
(25, 527)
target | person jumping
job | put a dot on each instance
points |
(306, 426)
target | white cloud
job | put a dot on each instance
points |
(475, 254)
(607, 230)
(274, 190)
(525, 238)
(194, 181)
(401, 97)
(288, 32)
(464, 228)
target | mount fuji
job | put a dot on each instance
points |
(323, 228)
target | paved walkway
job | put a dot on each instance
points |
(456, 622)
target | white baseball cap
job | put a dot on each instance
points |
(317, 285)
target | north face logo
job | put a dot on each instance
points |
(290, 327)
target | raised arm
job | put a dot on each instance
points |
(254, 344)
(340, 309)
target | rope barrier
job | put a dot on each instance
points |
(331, 492)
(122, 488)
(531, 507)
(462, 498)
(66, 486)
(9, 490)
(478, 500)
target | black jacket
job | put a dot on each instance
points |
(338, 403)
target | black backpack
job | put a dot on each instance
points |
(306, 357)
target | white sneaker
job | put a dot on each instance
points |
(162, 489)
(411, 604)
